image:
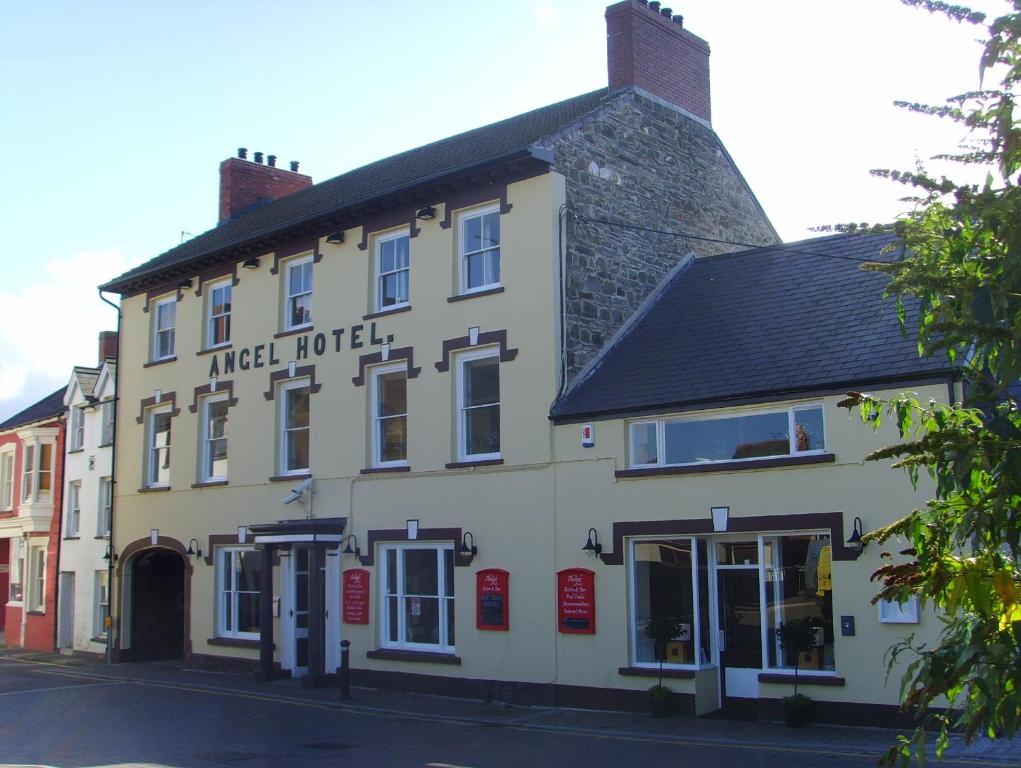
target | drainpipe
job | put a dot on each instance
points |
(113, 481)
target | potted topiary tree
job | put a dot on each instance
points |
(661, 629)
(796, 636)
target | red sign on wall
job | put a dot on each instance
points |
(356, 596)
(576, 601)
(492, 609)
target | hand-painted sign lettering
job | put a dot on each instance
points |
(356, 596)
(493, 608)
(576, 601)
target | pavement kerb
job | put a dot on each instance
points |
(529, 718)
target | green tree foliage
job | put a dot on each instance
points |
(963, 267)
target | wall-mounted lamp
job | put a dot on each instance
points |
(426, 214)
(194, 551)
(335, 238)
(592, 545)
(466, 550)
(352, 551)
(854, 540)
(252, 262)
(110, 556)
(186, 283)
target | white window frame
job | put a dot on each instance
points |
(7, 479)
(463, 253)
(444, 646)
(77, 430)
(892, 612)
(32, 470)
(105, 508)
(282, 428)
(73, 520)
(290, 296)
(376, 442)
(36, 587)
(205, 474)
(462, 421)
(379, 274)
(170, 329)
(107, 411)
(16, 588)
(28, 461)
(715, 416)
(222, 592)
(100, 606)
(212, 316)
(151, 449)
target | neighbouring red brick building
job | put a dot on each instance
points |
(31, 467)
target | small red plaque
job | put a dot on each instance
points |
(356, 596)
(492, 609)
(576, 601)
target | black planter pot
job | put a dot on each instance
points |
(796, 710)
(661, 705)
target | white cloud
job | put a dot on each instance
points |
(546, 14)
(52, 324)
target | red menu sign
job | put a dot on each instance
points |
(492, 610)
(356, 596)
(576, 601)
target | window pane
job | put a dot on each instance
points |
(475, 270)
(799, 587)
(422, 619)
(248, 612)
(482, 381)
(420, 573)
(45, 454)
(449, 604)
(448, 572)
(297, 450)
(663, 590)
(643, 443)
(386, 256)
(473, 234)
(737, 552)
(392, 394)
(491, 230)
(482, 426)
(391, 572)
(808, 430)
(393, 627)
(738, 437)
(393, 439)
(159, 467)
(248, 571)
(493, 266)
(301, 310)
(297, 407)
(388, 290)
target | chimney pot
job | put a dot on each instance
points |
(271, 161)
(258, 157)
(294, 166)
(243, 153)
(667, 12)
(654, 5)
(678, 20)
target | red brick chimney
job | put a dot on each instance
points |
(245, 184)
(647, 46)
(107, 345)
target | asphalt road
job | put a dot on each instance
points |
(60, 717)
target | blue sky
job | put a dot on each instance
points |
(115, 116)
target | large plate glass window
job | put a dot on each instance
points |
(298, 311)
(218, 329)
(294, 428)
(163, 324)
(158, 449)
(480, 250)
(393, 267)
(214, 438)
(479, 399)
(390, 416)
(418, 597)
(239, 577)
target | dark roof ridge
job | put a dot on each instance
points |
(795, 247)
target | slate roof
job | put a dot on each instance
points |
(49, 407)
(755, 325)
(456, 154)
(87, 378)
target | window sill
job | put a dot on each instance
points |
(158, 489)
(234, 642)
(428, 657)
(787, 679)
(728, 466)
(98, 639)
(474, 294)
(293, 332)
(105, 445)
(674, 674)
(76, 450)
(385, 470)
(388, 311)
(479, 463)
(36, 613)
(102, 536)
(295, 476)
(72, 537)
(213, 350)
(151, 363)
(209, 484)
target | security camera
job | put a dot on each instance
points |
(298, 491)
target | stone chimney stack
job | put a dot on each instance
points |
(647, 46)
(107, 346)
(247, 184)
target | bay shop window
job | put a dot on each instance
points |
(730, 594)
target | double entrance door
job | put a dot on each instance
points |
(301, 625)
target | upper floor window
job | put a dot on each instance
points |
(390, 416)
(298, 292)
(294, 427)
(77, 437)
(74, 510)
(6, 480)
(214, 438)
(478, 397)
(701, 439)
(105, 506)
(392, 270)
(163, 324)
(218, 325)
(480, 250)
(107, 436)
(158, 448)
(37, 471)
